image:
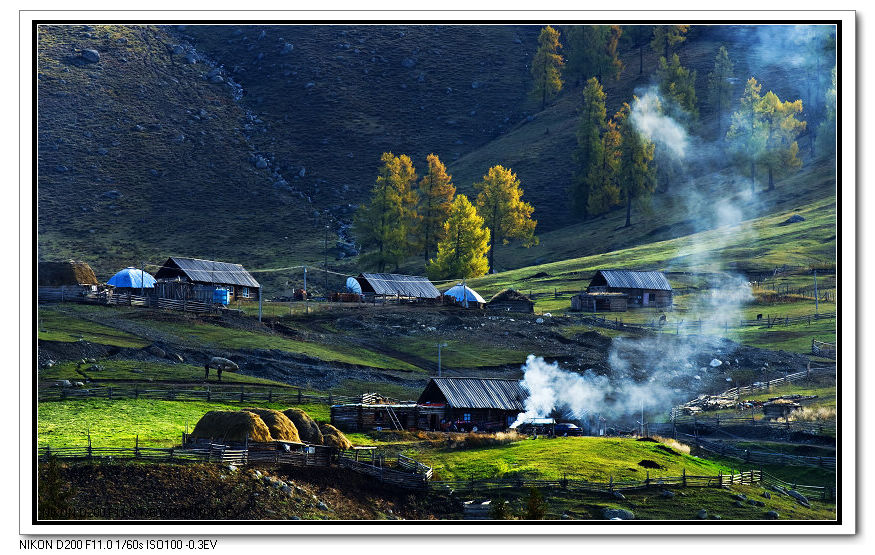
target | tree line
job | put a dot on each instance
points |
(409, 216)
(617, 163)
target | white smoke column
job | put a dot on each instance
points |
(551, 387)
(650, 120)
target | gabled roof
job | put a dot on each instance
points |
(632, 279)
(206, 271)
(479, 393)
(396, 284)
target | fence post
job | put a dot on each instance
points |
(330, 399)
(720, 479)
(241, 393)
(647, 479)
(684, 476)
(299, 395)
(270, 395)
(136, 392)
(109, 393)
(89, 444)
(611, 484)
(137, 447)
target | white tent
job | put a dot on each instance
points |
(464, 293)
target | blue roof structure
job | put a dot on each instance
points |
(132, 277)
(460, 292)
(353, 286)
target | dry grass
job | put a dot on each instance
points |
(307, 428)
(674, 444)
(811, 414)
(281, 428)
(227, 425)
(333, 437)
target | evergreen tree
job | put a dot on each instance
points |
(604, 192)
(592, 51)
(546, 66)
(536, 507)
(678, 84)
(507, 216)
(826, 131)
(666, 36)
(780, 131)
(436, 192)
(638, 36)
(635, 176)
(385, 223)
(720, 87)
(745, 135)
(591, 122)
(462, 252)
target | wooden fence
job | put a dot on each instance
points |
(60, 294)
(703, 424)
(823, 349)
(210, 394)
(824, 493)
(685, 480)
(402, 471)
(699, 325)
(763, 457)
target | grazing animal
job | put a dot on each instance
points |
(220, 364)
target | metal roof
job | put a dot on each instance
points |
(403, 286)
(481, 393)
(208, 271)
(632, 279)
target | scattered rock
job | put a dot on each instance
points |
(702, 514)
(113, 194)
(91, 56)
(766, 494)
(619, 495)
(408, 62)
(178, 49)
(739, 497)
(232, 468)
(738, 504)
(216, 79)
(667, 494)
(260, 163)
(715, 363)
(801, 499)
(772, 515)
(287, 47)
(157, 351)
(539, 321)
(755, 503)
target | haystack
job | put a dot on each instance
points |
(281, 428)
(307, 428)
(509, 295)
(332, 437)
(55, 274)
(227, 425)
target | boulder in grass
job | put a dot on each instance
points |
(772, 515)
(702, 514)
(795, 218)
(617, 514)
(91, 56)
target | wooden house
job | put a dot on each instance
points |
(642, 289)
(446, 404)
(510, 300)
(467, 403)
(600, 302)
(60, 281)
(193, 278)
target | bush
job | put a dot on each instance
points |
(500, 510)
(536, 507)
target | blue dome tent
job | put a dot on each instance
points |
(353, 286)
(464, 293)
(132, 278)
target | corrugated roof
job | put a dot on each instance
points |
(404, 286)
(482, 393)
(632, 279)
(209, 271)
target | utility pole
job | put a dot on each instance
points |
(439, 357)
(306, 299)
(143, 284)
(259, 302)
(815, 291)
(326, 259)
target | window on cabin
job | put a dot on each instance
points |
(466, 417)
(244, 291)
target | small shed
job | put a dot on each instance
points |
(510, 300)
(132, 280)
(464, 295)
(600, 302)
(397, 286)
(61, 281)
(194, 278)
(643, 288)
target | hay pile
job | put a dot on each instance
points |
(307, 428)
(333, 437)
(281, 428)
(227, 425)
(54, 274)
(509, 295)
